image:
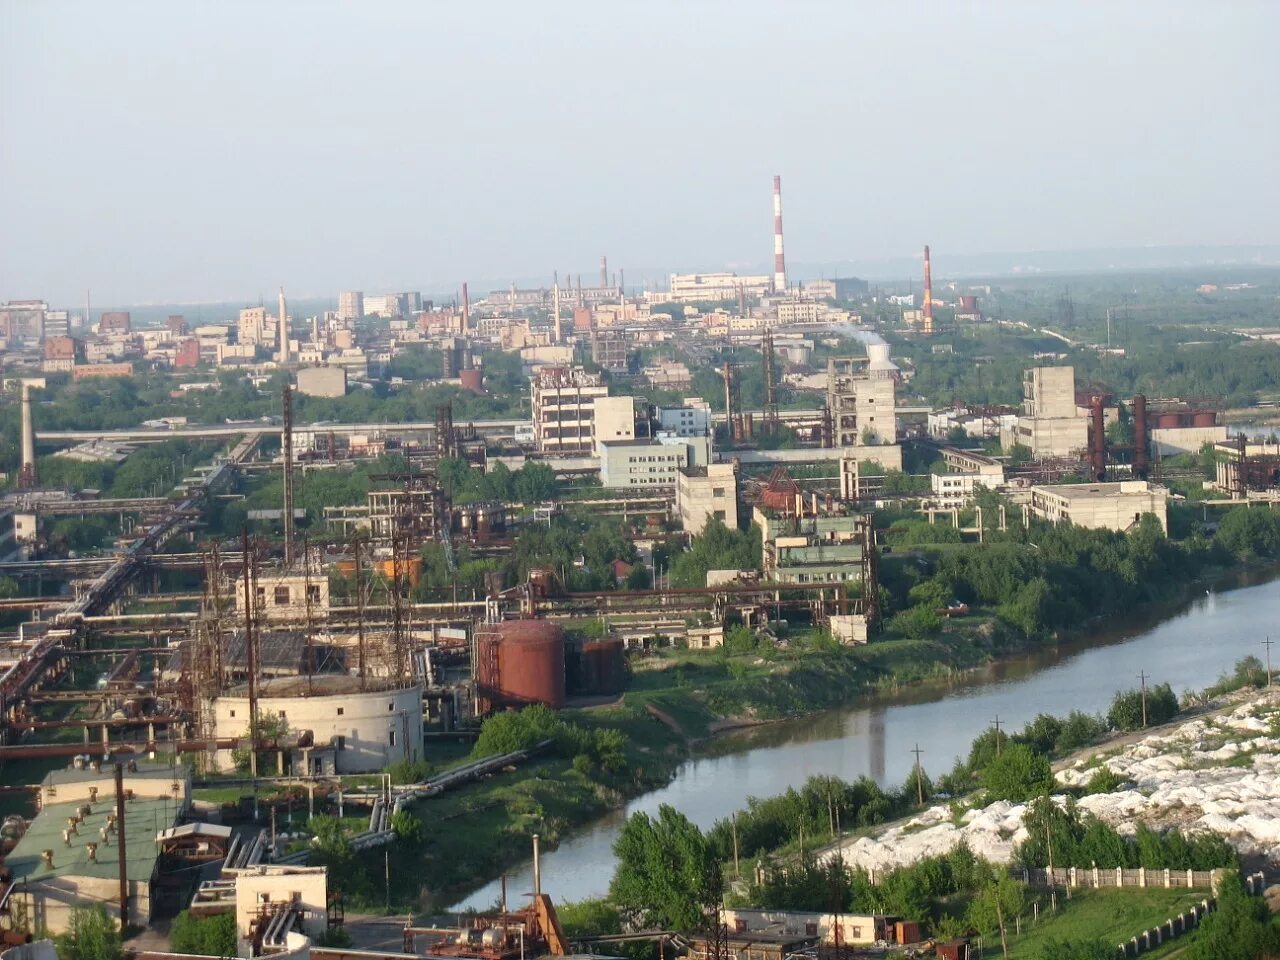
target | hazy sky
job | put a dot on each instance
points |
(213, 150)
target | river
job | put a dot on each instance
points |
(1188, 650)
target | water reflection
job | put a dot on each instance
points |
(1189, 649)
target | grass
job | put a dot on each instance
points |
(1112, 916)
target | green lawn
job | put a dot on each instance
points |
(1112, 916)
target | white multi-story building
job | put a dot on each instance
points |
(862, 396)
(564, 409)
(1100, 506)
(350, 305)
(706, 493)
(686, 287)
(1051, 424)
(650, 462)
(691, 419)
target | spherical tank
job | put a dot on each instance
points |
(1204, 418)
(472, 380)
(602, 666)
(530, 663)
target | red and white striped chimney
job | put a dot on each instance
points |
(779, 260)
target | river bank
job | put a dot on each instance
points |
(710, 774)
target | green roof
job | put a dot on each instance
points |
(143, 819)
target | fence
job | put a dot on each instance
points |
(1100, 878)
(1184, 922)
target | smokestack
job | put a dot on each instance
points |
(537, 867)
(779, 260)
(1098, 447)
(927, 326)
(315, 328)
(622, 285)
(27, 478)
(1141, 463)
(513, 298)
(555, 310)
(604, 273)
(284, 330)
(466, 311)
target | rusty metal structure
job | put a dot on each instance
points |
(1141, 439)
(768, 368)
(1097, 437)
(287, 443)
(519, 662)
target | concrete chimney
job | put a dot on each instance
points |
(284, 330)
(466, 311)
(555, 309)
(779, 259)
(604, 273)
(927, 326)
(27, 478)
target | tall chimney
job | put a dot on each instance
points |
(622, 285)
(284, 331)
(466, 311)
(27, 478)
(537, 867)
(927, 326)
(604, 273)
(1141, 461)
(779, 260)
(555, 310)
(1098, 438)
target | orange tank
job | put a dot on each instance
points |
(520, 662)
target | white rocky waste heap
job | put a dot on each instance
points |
(1218, 773)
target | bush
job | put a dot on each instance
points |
(334, 937)
(93, 936)
(1104, 780)
(207, 936)
(1126, 708)
(1017, 774)
(918, 623)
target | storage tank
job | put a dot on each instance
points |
(968, 303)
(1169, 421)
(1204, 418)
(472, 380)
(520, 662)
(602, 667)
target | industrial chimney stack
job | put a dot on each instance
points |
(27, 478)
(927, 326)
(604, 273)
(779, 260)
(466, 311)
(284, 331)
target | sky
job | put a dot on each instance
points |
(186, 151)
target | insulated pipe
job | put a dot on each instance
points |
(537, 868)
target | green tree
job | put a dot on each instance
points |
(1076, 950)
(996, 906)
(92, 936)
(1017, 774)
(587, 918)
(213, 936)
(1238, 929)
(716, 548)
(667, 876)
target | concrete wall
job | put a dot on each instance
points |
(614, 419)
(49, 904)
(1174, 440)
(700, 497)
(854, 929)
(267, 885)
(364, 721)
(322, 381)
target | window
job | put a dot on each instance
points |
(313, 593)
(282, 596)
(282, 716)
(717, 491)
(391, 738)
(233, 714)
(390, 707)
(340, 710)
(810, 929)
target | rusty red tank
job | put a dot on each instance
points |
(518, 663)
(472, 380)
(602, 667)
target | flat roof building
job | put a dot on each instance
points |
(1100, 506)
(706, 493)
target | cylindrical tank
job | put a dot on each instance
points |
(968, 303)
(520, 662)
(1169, 421)
(472, 380)
(410, 568)
(1204, 418)
(601, 666)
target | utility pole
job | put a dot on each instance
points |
(997, 726)
(919, 776)
(124, 859)
(1267, 643)
(1142, 677)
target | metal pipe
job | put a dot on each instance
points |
(537, 868)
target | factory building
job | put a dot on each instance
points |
(650, 461)
(70, 853)
(286, 596)
(572, 411)
(322, 381)
(862, 398)
(1247, 467)
(695, 287)
(1051, 424)
(706, 493)
(1099, 506)
(337, 723)
(811, 545)
(691, 419)
(350, 305)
